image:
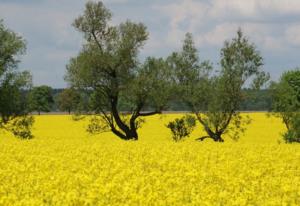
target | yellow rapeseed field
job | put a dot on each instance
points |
(64, 165)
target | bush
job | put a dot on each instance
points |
(182, 127)
(21, 127)
(97, 125)
(293, 133)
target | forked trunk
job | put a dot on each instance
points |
(132, 135)
(213, 136)
(127, 132)
(128, 135)
(218, 138)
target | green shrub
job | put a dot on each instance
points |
(182, 127)
(21, 127)
(293, 133)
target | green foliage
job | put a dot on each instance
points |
(191, 76)
(109, 69)
(182, 127)
(97, 125)
(68, 100)
(215, 98)
(41, 99)
(21, 127)
(286, 103)
(293, 133)
(13, 99)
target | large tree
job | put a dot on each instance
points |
(215, 97)
(41, 99)
(13, 85)
(286, 103)
(108, 67)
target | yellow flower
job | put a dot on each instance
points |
(64, 165)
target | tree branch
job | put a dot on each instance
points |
(227, 122)
(203, 138)
(97, 42)
(118, 133)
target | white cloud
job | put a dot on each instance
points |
(115, 1)
(51, 40)
(217, 35)
(214, 21)
(254, 8)
(292, 35)
(256, 32)
(188, 12)
(220, 9)
(274, 25)
(274, 44)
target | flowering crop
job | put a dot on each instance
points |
(64, 165)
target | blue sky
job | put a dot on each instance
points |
(274, 25)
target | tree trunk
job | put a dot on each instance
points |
(213, 136)
(132, 135)
(218, 138)
(129, 135)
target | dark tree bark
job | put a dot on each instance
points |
(128, 133)
(216, 136)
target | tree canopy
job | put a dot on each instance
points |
(286, 103)
(215, 96)
(13, 101)
(41, 99)
(108, 67)
(68, 100)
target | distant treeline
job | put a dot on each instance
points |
(254, 101)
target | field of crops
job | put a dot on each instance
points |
(64, 165)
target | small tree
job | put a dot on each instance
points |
(41, 99)
(182, 127)
(13, 86)
(286, 103)
(215, 99)
(108, 67)
(68, 100)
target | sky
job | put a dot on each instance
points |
(273, 25)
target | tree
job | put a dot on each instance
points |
(215, 98)
(68, 100)
(286, 103)
(108, 67)
(41, 99)
(13, 85)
